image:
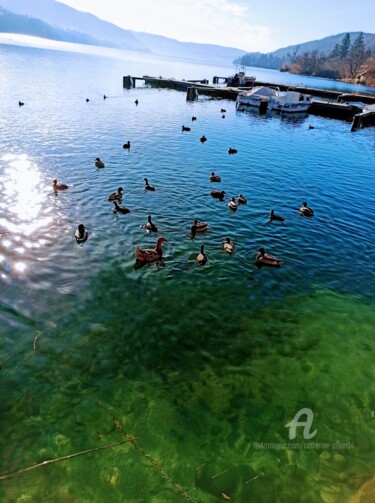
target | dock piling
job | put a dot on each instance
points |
(192, 93)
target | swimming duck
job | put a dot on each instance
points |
(59, 186)
(203, 139)
(99, 163)
(228, 246)
(305, 211)
(223, 111)
(198, 227)
(311, 127)
(126, 145)
(193, 118)
(214, 178)
(81, 234)
(241, 199)
(116, 196)
(150, 254)
(232, 151)
(217, 194)
(104, 97)
(184, 128)
(202, 257)
(148, 186)
(223, 116)
(232, 205)
(150, 226)
(87, 100)
(120, 209)
(264, 259)
(136, 102)
(21, 103)
(273, 216)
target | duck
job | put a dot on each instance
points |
(232, 151)
(228, 246)
(198, 227)
(126, 145)
(184, 128)
(202, 257)
(150, 226)
(263, 258)
(148, 186)
(193, 119)
(120, 209)
(21, 103)
(104, 97)
(232, 205)
(223, 116)
(311, 127)
(241, 199)
(214, 178)
(116, 196)
(305, 211)
(136, 102)
(223, 111)
(81, 234)
(59, 186)
(203, 139)
(217, 194)
(87, 100)
(99, 163)
(273, 217)
(150, 254)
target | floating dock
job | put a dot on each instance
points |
(335, 104)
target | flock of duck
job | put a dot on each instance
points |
(144, 255)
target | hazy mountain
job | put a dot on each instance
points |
(16, 23)
(325, 45)
(62, 17)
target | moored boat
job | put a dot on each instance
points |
(240, 79)
(290, 101)
(255, 97)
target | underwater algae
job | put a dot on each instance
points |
(201, 382)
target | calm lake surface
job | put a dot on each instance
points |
(198, 369)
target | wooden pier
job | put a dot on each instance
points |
(335, 104)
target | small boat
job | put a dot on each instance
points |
(81, 234)
(150, 254)
(264, 259)
(257, 97)
(239, 79)
(290, 101)
(198, 227)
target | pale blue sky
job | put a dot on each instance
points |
(252, 25)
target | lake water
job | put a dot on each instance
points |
(197, 368)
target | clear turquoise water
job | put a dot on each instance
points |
(198, 363)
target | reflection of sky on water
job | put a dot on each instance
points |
(23, 198)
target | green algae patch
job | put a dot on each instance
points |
(206, 386)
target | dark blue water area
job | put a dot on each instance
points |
(191, 366)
